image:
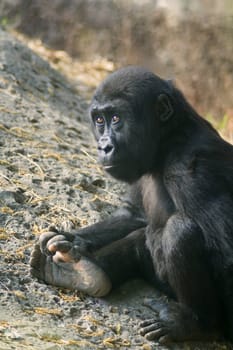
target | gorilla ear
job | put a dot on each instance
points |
(165, 109)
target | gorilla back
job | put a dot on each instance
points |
(176, 226)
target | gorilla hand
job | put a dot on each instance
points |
(57, 259)
(64, 247)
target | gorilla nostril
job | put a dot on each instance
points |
(108, 148)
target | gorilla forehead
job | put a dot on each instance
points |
(130, 83)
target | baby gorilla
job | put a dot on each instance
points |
(175, 228)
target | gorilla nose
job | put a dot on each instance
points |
(108, 148)
(105, 144)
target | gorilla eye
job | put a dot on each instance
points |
(99, 120)
(115, 119)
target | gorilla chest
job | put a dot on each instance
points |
(157, 203)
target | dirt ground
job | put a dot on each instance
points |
(49, 175)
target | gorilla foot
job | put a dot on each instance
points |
(83, 275)
(173, 322)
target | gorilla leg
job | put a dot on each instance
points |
(196, 314)
(126, 258)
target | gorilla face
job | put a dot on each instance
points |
(125, 121)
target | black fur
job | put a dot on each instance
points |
(176, 227)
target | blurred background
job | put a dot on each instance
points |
(190, 41)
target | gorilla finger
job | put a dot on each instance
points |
(69, 236)
(150, 328)
(64, 252)
(148, 322)
(62, 246)
(59, 243)
(43, 239)
(62, 257)
(156, 334)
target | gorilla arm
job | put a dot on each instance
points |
(64, 259)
